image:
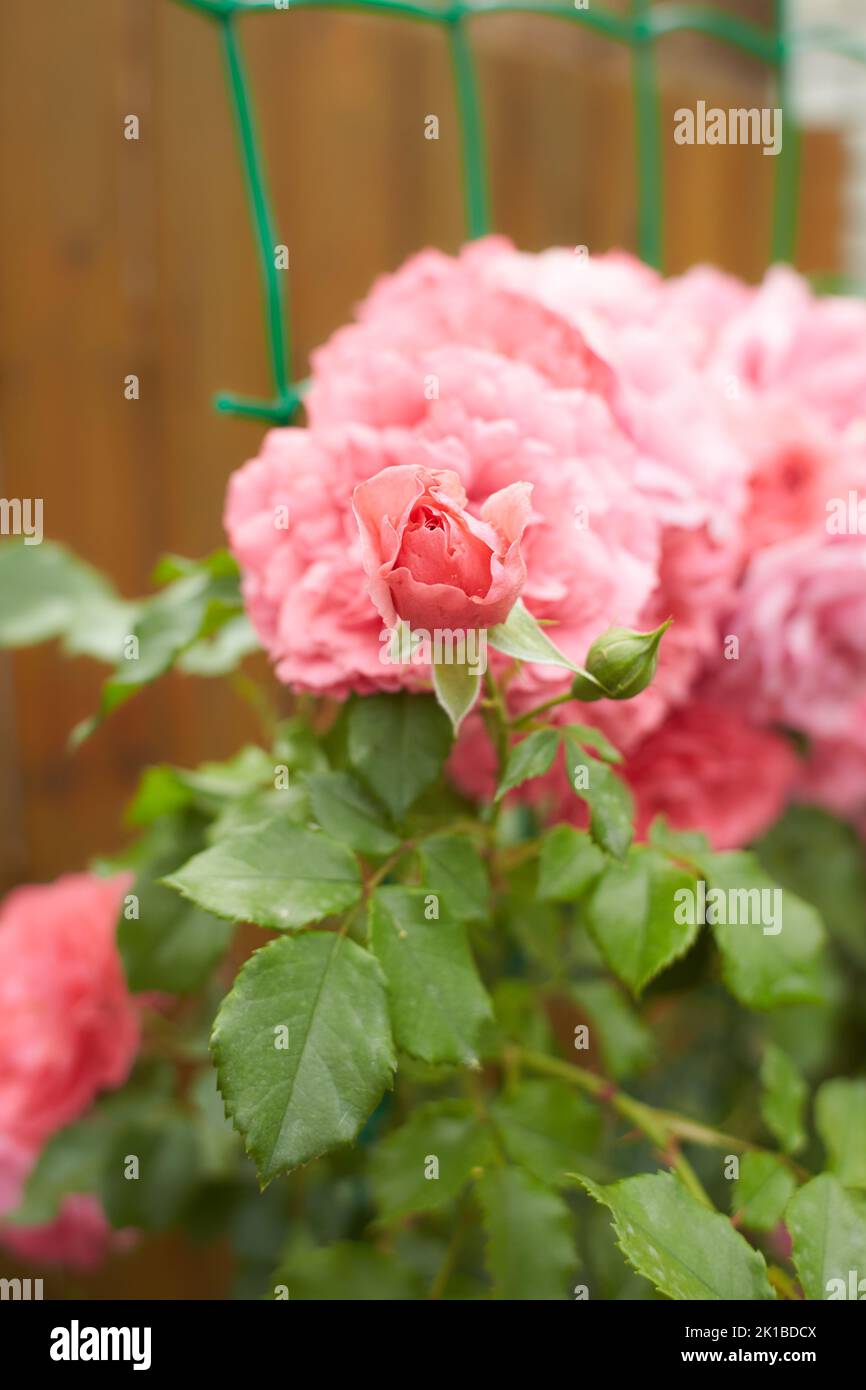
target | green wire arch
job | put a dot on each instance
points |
(640, 30)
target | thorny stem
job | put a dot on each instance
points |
(531, 714)
(385, 868)
(254, 695)
(497, 705)
(696, 1133)
(665, 1128)
(373, 882)
(783, 1283)
(496, 719)
(643, 1117)
(449, 1259)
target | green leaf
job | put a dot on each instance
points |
(828, 1231)
(762, 969)
(531, 757)
(690, 846)
(98, 625)
(404, 1180)
(241, 815)
(347, 1271)
(192, 607)
(44, 592)
(171, 944)
(762, 1191)
(169, 622)
(438, 1004)
(536, 926)
(251, 769)
(456, 686)
(219, 564)
(455, 871)
(151, 1195)
(300, 748)
(72, 1161)
(399, 744)
(517, 1014)
(521, 636)
(303, 1048)
(277, 875)
(821, 859)
(530, 1243)
(218, 789)
(632, 916)
(784, 1099)
(840, 1118)
(569, 864)
(160, 792)
(585, 736)
(627, 1045)
(611, 808)
(166, 943)
(345, 811)
(687, 1251)
(222, 653)
(547, 1128)
(218, 1142)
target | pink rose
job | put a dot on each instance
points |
(801, 622)
(707, 769)
(428, 560)
(786, 339)
(68, 1025)
(503, 368)
(794, 462)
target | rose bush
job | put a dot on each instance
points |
(615, 866)
(672, 443)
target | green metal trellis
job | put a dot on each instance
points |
(645, 24)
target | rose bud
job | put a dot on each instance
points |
(429, 561)
(623, 662)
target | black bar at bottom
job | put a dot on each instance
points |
(68, 1339)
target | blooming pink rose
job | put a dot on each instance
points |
(429, 561)
(497, 425)
(707, 769)
(79, 1237)
(517, 307)
(675, 434)
(785, 338)
(503, 368)
(795, 467)
(801, 622)
(68, 1025)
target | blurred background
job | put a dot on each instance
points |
(121, 256)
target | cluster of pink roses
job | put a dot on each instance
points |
(68, 1029)
(617, 449)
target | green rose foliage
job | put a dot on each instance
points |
(429, 1049)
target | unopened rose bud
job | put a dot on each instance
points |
(624, 662)
(586, 689)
